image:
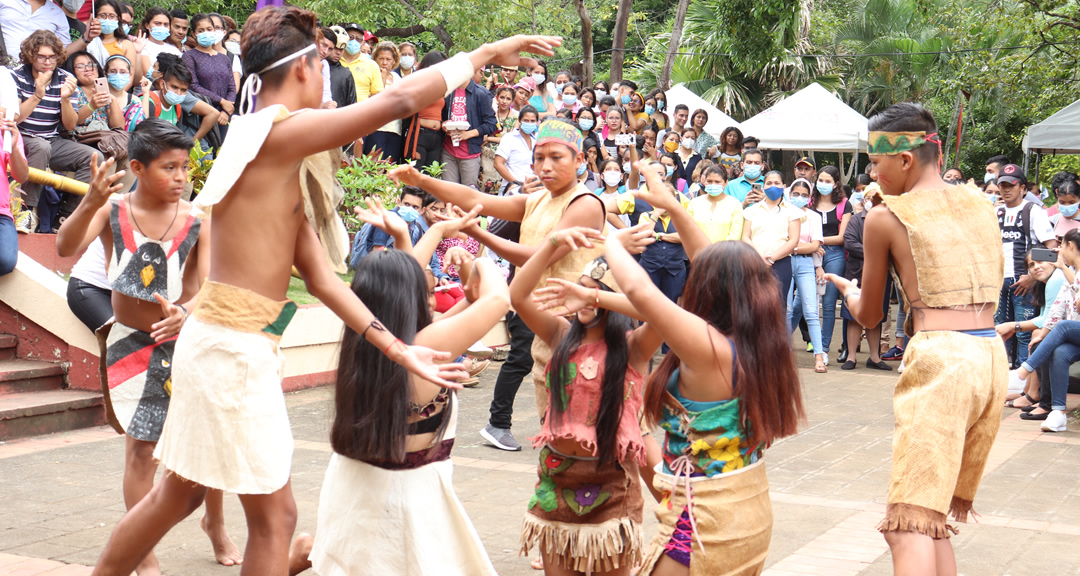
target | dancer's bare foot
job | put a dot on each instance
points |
(225, 552)
(299, 552)
(148, 566)
(537, 563)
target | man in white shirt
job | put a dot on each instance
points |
(20, 18)
(1024, 225)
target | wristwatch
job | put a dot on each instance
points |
(1016, 328)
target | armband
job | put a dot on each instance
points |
(456, 71)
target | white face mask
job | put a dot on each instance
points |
(612, 179)
(233, 47)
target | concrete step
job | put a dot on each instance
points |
(49, 411)
(8, 345)
(18, 376)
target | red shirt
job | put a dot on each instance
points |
(457, 114)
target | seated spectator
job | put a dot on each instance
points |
(12, 165)
(45, 91)
(410, 207)
(112, 41)
(166, 96)
(211, 71)
(99, 111)
(21, 18)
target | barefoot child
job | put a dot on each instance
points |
(586, 513)
(158, 254)
(950, 270)
(228, 427)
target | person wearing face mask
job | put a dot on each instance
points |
(1068, 201)
(588, 177)
(156, 28)
(514, 155)
(688, 156)
(166, 96)
(806, 273)
(505, 119)
(568, 98)
(211, 71)
(752, 165)
(611, 178)
(587, 121)
(231, 43)
(410, 207)
(829, 202)
(406, 59)
(545, 95)
(342, 87)
(77, 28)
(98, 112)
(772, 227)
(718, 215)
(112, 40)
(366, 73)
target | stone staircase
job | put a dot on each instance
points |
(33, 400)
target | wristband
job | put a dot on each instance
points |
(396, 340)
(456, 71)
(596, 304)
(553, 242)
(181, 307)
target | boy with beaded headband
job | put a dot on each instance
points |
(947, 404)
(227, 426)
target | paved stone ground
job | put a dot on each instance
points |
(60, 495)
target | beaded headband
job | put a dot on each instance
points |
(559, 132)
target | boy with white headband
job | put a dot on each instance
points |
(227, 426)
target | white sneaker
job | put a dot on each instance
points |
(478, 350)
(1055, 421)
(1016, 385)
(826, 358)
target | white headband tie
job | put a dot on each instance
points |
(253, 83)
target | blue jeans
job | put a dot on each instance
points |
(9, 245)
(1014, 308)
(802, 297)
(834, 263)
(1062, 348)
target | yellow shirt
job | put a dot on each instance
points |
(769, 226)
(720, 219)
(626, 202)
(367, 76)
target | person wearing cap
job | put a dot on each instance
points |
(366, 73)
(1024, 225)
(342, 88)
(806, 169)
(523, 90)
(509, 75)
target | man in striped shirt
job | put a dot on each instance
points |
(45, 111)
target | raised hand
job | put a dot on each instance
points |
(102, 185)
(381, 218)
(577, 237)
(145, 84)
(456, 258)
(655, 191)
(100, 100)
(406, 175)
(507, 52)
(172, 320)
(635, 239)
(568, 297)
(423, 362)
(139, 42)
(68, 88)
(463, 220)
(843, 284)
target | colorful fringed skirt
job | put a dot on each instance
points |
(585, 515)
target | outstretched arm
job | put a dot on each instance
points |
(92, 215)
(323, 284)
(658, 196)
(879, 229)
(319, 130)
(509, 208)
(457, 333)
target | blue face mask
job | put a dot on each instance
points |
(119, 81)
(800, 201)
(559, 87)
(569, 99)
(660, 105)
(408, 213)
(173, 99)
(824, 188)
(150, 75)
(528, 127)
(1068, 210)
(581, 169)
(206, 39)
(127, 28)
(626, 99)
(857, 197)
(586, 123)
(649, 110)
(669, 170)
(714, 189)
(774, 193)
(109, 26)
(352, 47)
(159, 33)
(752, 171)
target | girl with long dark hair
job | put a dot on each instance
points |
(586, 513)
(392, 433)
(829, 201)
(724, 393)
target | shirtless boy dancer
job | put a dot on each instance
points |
(227, 426)
(948, 401)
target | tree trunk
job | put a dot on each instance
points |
(586, 40)
(673, 44)
(622, 22)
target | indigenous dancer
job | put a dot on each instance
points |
(727, 389)
(155, 273)
(948, 401)
(564, 203)
(228, 427)
(585, 515)
(388, 504)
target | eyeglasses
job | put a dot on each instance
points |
(83, 67)
(794, 195)
(42, 59)
(107, 17)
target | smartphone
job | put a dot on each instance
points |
(101, 86)
(756, 187)
(625, 139)
(1044, 255)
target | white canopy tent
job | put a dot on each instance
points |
(812, 119)
(1058, 134)
(718, 121)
